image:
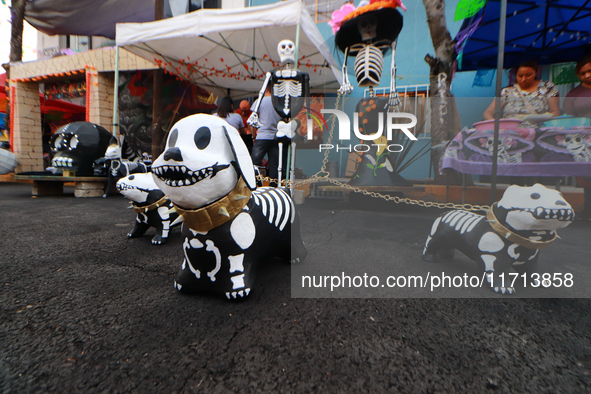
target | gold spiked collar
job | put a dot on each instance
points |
(163, 201)
(219, 212)
(513, 237)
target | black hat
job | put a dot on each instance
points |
(389, 24)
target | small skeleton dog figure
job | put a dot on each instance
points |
(150, 204)
(524, 221)
(229, 225)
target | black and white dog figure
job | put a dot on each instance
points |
(510, 236)
(150, 204)
(228, 224)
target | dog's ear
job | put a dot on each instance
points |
(242, 157)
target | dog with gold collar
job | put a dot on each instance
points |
(524, 221)
(150, 204)
(229, 225)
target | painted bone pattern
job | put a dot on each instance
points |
(510, 236)
(277, 207)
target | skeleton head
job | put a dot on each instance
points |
(535, 208)
(203, 159)
(367, 28)
(286, 51)
(137, 187)
(503, 144)
(575, 143)
(77, 145)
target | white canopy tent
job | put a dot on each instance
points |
(229, 51)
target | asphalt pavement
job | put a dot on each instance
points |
(85, 309)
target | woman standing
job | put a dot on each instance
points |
(226, 112)
(578, 103)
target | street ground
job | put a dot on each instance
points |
(85, 309)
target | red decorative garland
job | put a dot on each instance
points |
(194, 67)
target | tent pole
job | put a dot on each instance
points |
(297, 45)
(116, 93)
(498, 109)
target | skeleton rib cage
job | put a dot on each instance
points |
(286, 88)
(369, 64)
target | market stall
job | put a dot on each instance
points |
(229, 51)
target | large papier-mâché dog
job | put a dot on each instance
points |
(228, 224)
(524, 221)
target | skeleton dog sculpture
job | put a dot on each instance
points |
(522, 222)
(228, 226)
(150, 204)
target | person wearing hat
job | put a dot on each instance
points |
(248, 135)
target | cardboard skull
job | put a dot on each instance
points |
(286, 51)
(203, 158)
(77, 145)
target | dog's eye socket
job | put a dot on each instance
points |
(535, 196)
(202, 137)
(174, 135)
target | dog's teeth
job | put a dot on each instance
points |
(183, 169)
(539, 211)
(187, 182)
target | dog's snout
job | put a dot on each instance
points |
(173, 154)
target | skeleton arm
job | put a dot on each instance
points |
(346, 87)
(253, 119)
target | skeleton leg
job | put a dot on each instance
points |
(280, 164)
(292, 168)
(393, 100)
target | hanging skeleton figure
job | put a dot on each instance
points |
(291, 90)
(368, 33)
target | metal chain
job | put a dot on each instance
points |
(322, 176)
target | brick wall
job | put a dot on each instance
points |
(27, 137)
(100, 63)
(101, 98)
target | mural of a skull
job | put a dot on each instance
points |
(77, 145)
